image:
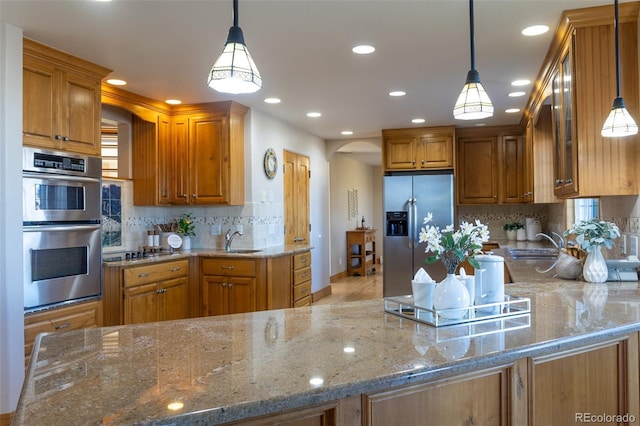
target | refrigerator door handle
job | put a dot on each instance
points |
(410, 223)
(414, 214)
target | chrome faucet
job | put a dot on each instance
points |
(228, 239)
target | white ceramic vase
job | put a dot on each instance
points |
(511, 234)
(449, 295)
(186, 242)
(595, 267)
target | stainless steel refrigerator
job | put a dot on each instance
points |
(407, 200)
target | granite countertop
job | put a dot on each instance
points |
(117, 259)
(219, 369)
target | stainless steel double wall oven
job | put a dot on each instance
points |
(61, 228)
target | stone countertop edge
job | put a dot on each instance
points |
(260, 253)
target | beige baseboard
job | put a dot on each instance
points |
(338, 276)
(5, 419)
(323, 292)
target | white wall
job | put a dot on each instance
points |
(11, 289)
(268, 132)
(348, 174)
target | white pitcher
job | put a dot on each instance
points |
(490, 282)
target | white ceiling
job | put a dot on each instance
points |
(165, 49)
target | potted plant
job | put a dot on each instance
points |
(186, 228)
(591, 236)
(512, 229)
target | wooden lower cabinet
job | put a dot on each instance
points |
(72, 317)
(156, 292)
(567, 387)
(478, 398)
(317, 415)
(230, 285)
(302, 279)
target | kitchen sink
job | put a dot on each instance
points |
(534, 253)
(242, 251)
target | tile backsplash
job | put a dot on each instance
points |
(262, 223)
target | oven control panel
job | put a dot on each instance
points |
(58, 162)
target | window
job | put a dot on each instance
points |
(581, 209)
(109, 149)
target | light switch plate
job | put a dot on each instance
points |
(216, 230)
(633, 246)
(240, 228)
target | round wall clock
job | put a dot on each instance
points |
(270, 163)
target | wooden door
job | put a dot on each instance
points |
(214, 295)
(242, 294)
(39, 97)
(141, 304)
(209, 159)
(400, 152)
(174, 303)
(80, 113)
(478, 170)
(180, 193)
(164, 159)
(296, 198)
(513, 170)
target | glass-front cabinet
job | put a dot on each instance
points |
(566, 154)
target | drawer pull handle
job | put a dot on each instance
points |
(161, 291)
(304, 290)
(304, 260)
(61, 326)
(143, 275)
(228, 267)
(176, 269)
(304, 275)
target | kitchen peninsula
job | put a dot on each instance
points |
(349, 364)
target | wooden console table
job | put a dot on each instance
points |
(361, 252)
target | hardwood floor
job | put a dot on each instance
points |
(355, 288)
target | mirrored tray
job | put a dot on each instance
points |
(403, 306)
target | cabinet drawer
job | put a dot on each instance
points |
(302, 290)
(301, 260)
(75, 317)
(155, 272)
(301, 275)
(305, 301)
(230, 266)
(369, 237)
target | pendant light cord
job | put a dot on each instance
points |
(235, 13)
(472, 43)
(615, 29)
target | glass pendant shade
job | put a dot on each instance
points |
(234, 71)
(473, 102)
(619, 122)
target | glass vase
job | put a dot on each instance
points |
(186, 242)
(595, 267)
(450, 294)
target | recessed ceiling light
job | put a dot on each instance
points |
(116, 82)
(363, 49)
(481, 124)
(418, 120)
(512, 110)
(272, 100)
(397, 93)
(314, 114)
(173, 101)
(347, 132)
(535, 30)
(520, 82)
(516, 94)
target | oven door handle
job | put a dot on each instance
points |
(60, 228)
(49, 176)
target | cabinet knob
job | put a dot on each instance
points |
(176, 269)
(62, 326)
(57, 137)
(304, 260)
(422, 162)
(230, 285)
(224, 284)
(193, 196)
(569, 180)
(559, 181)
(65, 139)
(228, 267)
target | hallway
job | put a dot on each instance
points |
(354, 288)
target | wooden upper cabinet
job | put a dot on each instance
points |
(491, 165)
(579, 74)
(418, 149)
(61, 100)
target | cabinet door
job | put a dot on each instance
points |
(527, 166)
(141, 304)
(242, 294)
(174, 300)
(400, 152)
(80, 113)
(165, 157)
(209, 159)
(513, 170)
(478, 173)
(435, 152)
(39, 97)
(180, 193)
(214, 295)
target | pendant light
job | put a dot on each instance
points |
(619, 122)
(473, 102)
(234, 71)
